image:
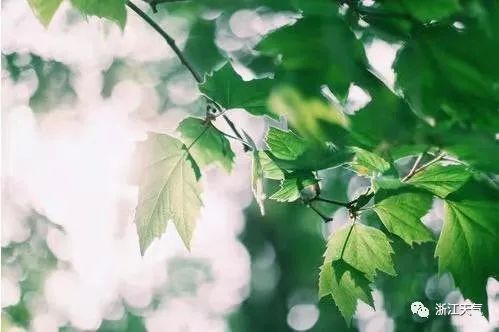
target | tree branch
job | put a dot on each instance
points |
(169, 40)
(154, 3)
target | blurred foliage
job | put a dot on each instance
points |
(53, 79)
(31, 261)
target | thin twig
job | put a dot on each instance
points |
(154, 3)
(169, 40)
(331, 201)
(414, 167)
(250, 148)
(419, 169)
(234, 130)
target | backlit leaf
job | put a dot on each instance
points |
(293, 187)
(365, 248)
(257, 175)
(113, 10)
(468, 244)
(440, 180)
(168, 189)
(346, 285)
(368, 163)
(401, 212)
(228, 89)
(284, 144)
(210, 144)
(44, 9)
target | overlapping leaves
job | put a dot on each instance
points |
(353, 257)
(446, 97)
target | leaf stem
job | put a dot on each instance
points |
(419, 169)
(414, 167)
(325, 218)
(346, 240)
(234, 130)
(169, 40)
(331, 201)
(249, 147)
(197, 138)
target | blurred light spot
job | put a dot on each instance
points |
(458, 25)
(373, 319)
(129, 95)
(340, 218)
(381, 56)
(265, 273)
(228, 42)
(438, 287)
(57, 243)
(244, 23)
(45, 323)
(10, 292)
(182, 90)
(357, 186)
(302, 317)
(434, 218)
(357, 99)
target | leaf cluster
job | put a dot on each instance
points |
(431, 136)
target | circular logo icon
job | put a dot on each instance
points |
(419, 309)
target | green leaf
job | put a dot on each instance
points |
(468, 244)
(401, 212)
(346, 285)
(365, 248)
(395, 122)
(284, 144)
(113, 10)
(322, 61)
(200, 47)
(44, 9)
(368, 163)
(444, 82)
(440, 180)
(168, 189)
(428, 10)
(479, 150)
(291, 152)
(314, 159)
(270, 169)
(210, 145)
(228, 89)
(387, 182)
(294, 186)
(312, 118)
(257, 174)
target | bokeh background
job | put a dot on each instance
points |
(76, 98)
